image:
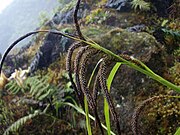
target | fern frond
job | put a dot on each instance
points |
(173, 33)
(20, 122)
(41, 91)
(39, 88)
(6, 116)
(141, 4)
(45, 95)
(13, 87)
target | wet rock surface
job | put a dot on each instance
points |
(53, 44)
(139, 45)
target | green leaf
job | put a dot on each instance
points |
(164, 22)
(20, 122)
(106, 106)
(88, 124)
(177, 132)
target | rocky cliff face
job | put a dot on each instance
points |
(52, 47)
(124, 33)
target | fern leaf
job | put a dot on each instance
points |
(45, 95)
(41, 91)
(37, 88)
(20, 122)
(141, 4)
(13, 87)
(33, 85)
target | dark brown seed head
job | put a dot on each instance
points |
(69, 70)
(82, 76)
(102, 80)
(138, 110)
(76, 67)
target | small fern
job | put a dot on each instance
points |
(140, 4)
(20, 122)
(14, 88)
(173, 33)
(40, 89)
(37, 87)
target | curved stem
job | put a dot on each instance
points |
(144, 70)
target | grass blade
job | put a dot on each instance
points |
(106, 106)
(177, 132)
(88, 124)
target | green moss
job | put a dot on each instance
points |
(93, 31)
(175, 73)
(68, 6)
(96, 16)
(142, 45)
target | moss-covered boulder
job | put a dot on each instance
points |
(131, 87)
(141, 45)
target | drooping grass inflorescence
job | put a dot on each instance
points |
(77, 64)
(102, 80)
(95, 88)
(76, 21)
(84, 85)
(139, 109)
(82, 76)
(69, 70)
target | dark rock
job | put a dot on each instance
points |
(162, 6)
(53, 46)
(13, 62)
(141, 45)
(136, 28)
(159, 35)
(67, 17)
(119, 5)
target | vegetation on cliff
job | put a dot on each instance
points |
(123, 64)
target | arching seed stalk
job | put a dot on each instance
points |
(95, 88)
(82, 76)
(76, 20)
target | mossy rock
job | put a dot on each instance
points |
(139, 45)
(130, 86)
